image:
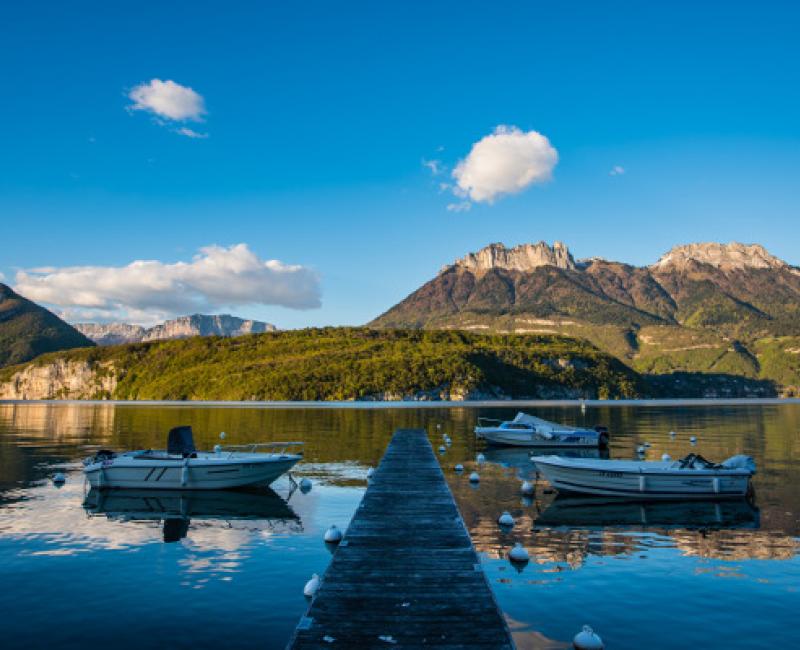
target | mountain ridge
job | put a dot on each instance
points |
(28, 330)
(731, 299)
(176, 328)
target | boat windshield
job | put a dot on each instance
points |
(517, 425)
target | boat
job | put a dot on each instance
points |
(529, 431)
(690, 477)
(182, 467)
(592, 512)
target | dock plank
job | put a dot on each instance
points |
(407, 575)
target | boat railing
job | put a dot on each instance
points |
(252, 448)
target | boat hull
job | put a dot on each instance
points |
(197, 474)
(692, 484)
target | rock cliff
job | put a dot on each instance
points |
(179, 328)
(61, 379)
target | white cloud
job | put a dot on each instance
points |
(617, 170)
(190, 133)
(168, 99)
(148, 291)
(435, 166)
(461, 206)
(504, 162)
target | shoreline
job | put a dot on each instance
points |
(408, 404)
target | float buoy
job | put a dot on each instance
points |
(666, 458)
(459, 468)
(640, 450)
(222, 435)
(442, 449)
(586, 639)
(518, 554)
(474, 477)
(333, 535)
(59, 478)
(217, 449)
(671, 434)
(506, 520)
(305, 485)
(480, 458)
(527, 488)
(311, 586)
(370, 472)
(693, 439)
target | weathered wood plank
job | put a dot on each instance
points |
(408, 575)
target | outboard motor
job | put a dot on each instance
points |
(603, 437)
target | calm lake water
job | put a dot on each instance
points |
(228, 569)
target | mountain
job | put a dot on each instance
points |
(28, 330)
(710, 308)
(179, 328)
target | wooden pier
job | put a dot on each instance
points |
(406, 574)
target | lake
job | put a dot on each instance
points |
(228, 569)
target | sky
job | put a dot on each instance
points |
(313, 163)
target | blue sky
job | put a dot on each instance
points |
(319, 116)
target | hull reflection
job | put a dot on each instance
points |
(521, 458)
(591, 513)
(176, 508)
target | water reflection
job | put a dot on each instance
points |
(579, 512)
(175, 509)
(258, 550)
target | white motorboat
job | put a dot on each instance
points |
(690, 477)
(182, 467)
(529, 431)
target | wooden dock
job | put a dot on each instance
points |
(406, 574)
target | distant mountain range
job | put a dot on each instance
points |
(178, 328)
(28, 330)
(732, 309)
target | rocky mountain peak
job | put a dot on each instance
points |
(524, 257)
(726, 257)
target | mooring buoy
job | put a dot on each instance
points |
(586, 639)
(333, 535)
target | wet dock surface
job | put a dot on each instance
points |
(406, 574)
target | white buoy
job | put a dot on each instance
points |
(480, 458)
(442, 449)
(59, 478)
(640, 450)
(518, 553)
(333, 535)
(693, 439)
(459, 468)
(217, 449)
(311, 586)
(586, 639)
(370, 472)
(671, 434)
(438, 426)
(666, 458)
(222, 435)
(305, 485)
(506, 519)
(527, 488)
(474, 477)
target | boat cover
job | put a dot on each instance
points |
(740, 461)
(180, 441)
(543, 426)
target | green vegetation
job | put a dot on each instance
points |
(27, 330)
(357, 363)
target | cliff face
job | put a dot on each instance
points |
(179, 328)
(61, 379)
(524, 257)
